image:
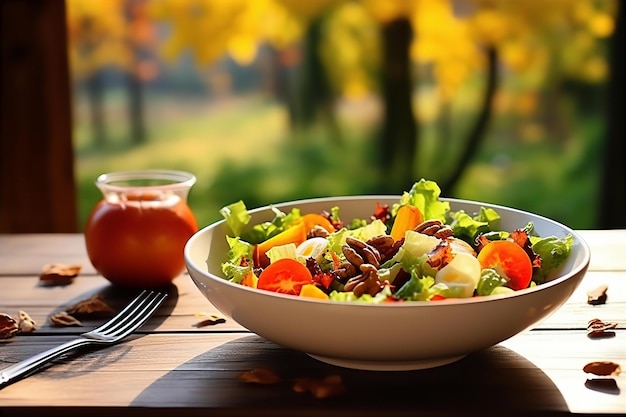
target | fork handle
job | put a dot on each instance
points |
(12, 373)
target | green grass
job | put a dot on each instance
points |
(243, 149)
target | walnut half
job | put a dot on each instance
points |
(58, 274)
(8, 326)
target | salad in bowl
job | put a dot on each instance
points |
(416, 249)
(386, 282)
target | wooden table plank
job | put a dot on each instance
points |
(184, 308)
(171, 367)
(26, 254)
(576, 312)
(203, 371)
(606, 254)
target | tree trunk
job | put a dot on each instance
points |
(135, 109)
(399, 137)
(95, 100)
(314, 96)
(612, 209)
(134, 85)
(480, 126)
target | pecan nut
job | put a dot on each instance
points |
(603, 368)
(365, 253)
(345, 271)
(597, 329)
(434, 228)
(368, 282)
(386, 246)
(352, 256)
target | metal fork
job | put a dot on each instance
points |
(124, 323)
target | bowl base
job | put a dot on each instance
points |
(387, 365)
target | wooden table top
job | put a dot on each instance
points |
(173, 367)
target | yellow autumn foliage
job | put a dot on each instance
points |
(534, 38)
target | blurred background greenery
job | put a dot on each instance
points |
(274, 100)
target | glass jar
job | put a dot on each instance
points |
(136, 234)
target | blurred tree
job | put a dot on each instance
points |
(427, 32)
(546, 45)
(313, 97)
(88, 26)
(449, 41)
(212, 28)
(112, 34)
(399, 136)
(140, 39)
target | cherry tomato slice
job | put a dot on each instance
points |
(510, 259)
(285, 276)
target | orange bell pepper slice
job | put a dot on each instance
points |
(295, 234)
(407, 218)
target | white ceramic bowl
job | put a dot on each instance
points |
(395, 336)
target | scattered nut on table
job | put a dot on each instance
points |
(8, 326)
(62, 319)
(261, 376)
(330, 386)
(92, 306)
(603, 368)
(58, 274)
(208, 320)
(597, 329)
(25, 323)
(598, 295)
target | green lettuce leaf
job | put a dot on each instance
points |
(416, 288)
(468, 228)
(263, 231)
(349, 296)
(553, 252)
(337, 239)
(424, 195)
(489, 281)
(239, 251)
(236, 216)
(281, 251)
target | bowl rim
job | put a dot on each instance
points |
(580, 267)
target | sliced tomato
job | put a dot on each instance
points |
(437, 297)
(510, 259)
(285, 276)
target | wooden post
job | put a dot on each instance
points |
(612, 205)
(37, 189)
